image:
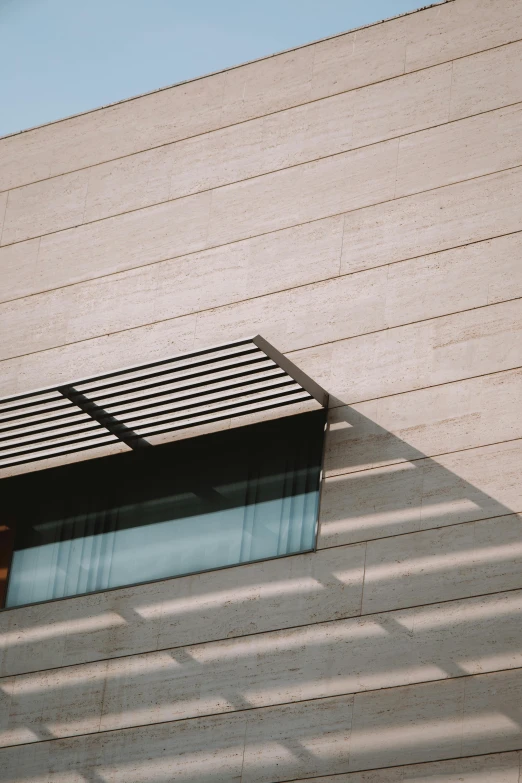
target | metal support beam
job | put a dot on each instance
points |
(313, 388)
(115, 427)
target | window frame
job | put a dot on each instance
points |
(10, 533)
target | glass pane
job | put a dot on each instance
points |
(214, 501)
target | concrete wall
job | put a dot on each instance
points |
(358, 202)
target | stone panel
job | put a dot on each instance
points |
(123, 242)
(423, 423)
(319, 661)
(435, 721)
(177, 227)
(132, 182)
(441, 565)
(395, 726)
(418, 40)
(406, 104)
(314, 130)
(112, 352)
(459, 346)
(122, 129)
(280, 593)
(352, 305)
(426, 493)
(208, 750)
(267, 86)
(18, 269)
(498, 767)
(459, 151)
(462, 28)
(442, 350)
(155, 292)
(465, 277)
(251, 268)
(436, 220)
(409, 43)
(262, 746)
(370, 54)
(414, 290)
(495, 701)
(487, 80)
(304, 316)
(308, 192)
(45, 207)
(3, 205)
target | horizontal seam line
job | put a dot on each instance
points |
(228, 713)
(328, 476)
(407, 764)
(290, 351)
(271, 173)
(258, 118)
(254, 118)
(422, 388)
(243, 65)
(128, 271)
(507, 513)
(291, 627)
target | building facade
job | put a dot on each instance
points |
(358, 203)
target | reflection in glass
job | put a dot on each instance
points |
(246, 494)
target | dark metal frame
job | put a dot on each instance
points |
(130, 405)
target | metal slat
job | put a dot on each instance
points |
(169, 366)
(60, 430)
(134, 403)
(195, 403)
(57, 452)
(40, 422)
(52, 405)
(65, 440)
(175, 399)
(230, 413)
(236, 403)
(216, 377)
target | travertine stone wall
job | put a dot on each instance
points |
(358, 201)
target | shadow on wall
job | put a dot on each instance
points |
(335, 692)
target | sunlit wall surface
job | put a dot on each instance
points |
(357, 203)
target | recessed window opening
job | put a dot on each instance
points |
(208, 502)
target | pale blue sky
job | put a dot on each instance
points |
(60, 57)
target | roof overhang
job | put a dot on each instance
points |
(141, 406)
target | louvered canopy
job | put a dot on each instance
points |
(130, 407)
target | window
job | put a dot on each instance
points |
(213, 501)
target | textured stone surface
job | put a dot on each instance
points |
(301, 315)
(500, 767)
(395, 726)
(460, 151)
(375, 53)
(267, 143)
(437, 565)
(408, 427)
(437, 220)
(476, 79)
(425, 493)
(298, 590)
(415, 356)
(312, 662)
(358, 202)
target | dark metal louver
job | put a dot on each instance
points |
(132, 405)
